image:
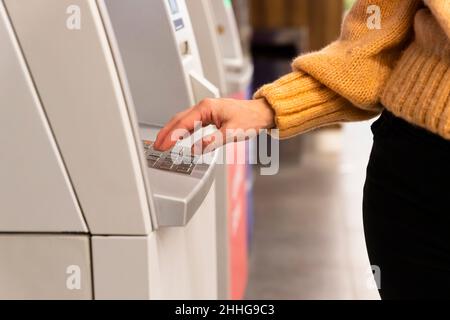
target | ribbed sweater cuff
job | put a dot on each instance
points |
(301, 104)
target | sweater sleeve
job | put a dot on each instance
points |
(344, 81)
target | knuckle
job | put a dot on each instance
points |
(206, 103)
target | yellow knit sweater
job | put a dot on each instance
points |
(403, 66)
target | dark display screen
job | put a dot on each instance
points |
(179, 24)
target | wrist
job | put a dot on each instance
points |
(266, 112)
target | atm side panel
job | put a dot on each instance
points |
(45, 267)
(229, 35)
(202, 18)
(36, 194)
(69, 57)
(125, 268)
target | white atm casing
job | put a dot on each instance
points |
(98, 113)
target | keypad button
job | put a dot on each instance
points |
(165, 165)
(151, 163)
(154, 156)
(177, 160)
(187, 160)
(184, 169)
(154, 153)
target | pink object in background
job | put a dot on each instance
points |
(237, 206)
(237, 226)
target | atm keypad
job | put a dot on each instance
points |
(174, 160)
(184, 169)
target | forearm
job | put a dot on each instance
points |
(302, 104)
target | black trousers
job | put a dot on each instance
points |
(407, 211)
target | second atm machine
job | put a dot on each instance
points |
(130, 223)
(223, 60)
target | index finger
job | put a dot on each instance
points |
(165, 131)
(177, 128)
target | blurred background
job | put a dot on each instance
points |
(306, 231)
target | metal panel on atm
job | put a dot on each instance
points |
(206, 34)
(228, 30)
(76, 76)
(45, 267)
(123, 268)
(36, 194)
(238, 68)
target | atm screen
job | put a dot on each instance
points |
(174, 6)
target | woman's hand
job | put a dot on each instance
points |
(228, 115)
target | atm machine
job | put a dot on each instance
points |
(221, 52)
(226, 67)
(88, 209)
(238, 67)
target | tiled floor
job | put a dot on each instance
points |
(309, 241)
